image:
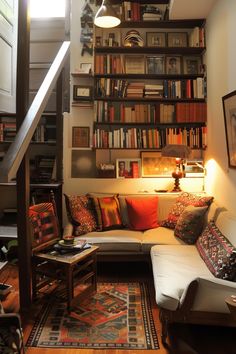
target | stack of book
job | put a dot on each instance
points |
(151, 13)
(153, 90)
(135, 89)
(7, 129)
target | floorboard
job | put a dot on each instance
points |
(183, 339)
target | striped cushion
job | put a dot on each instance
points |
(108, 212)
(43, 222)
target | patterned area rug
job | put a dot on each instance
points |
(117, 316)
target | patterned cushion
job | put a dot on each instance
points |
(181, 203)
(44, 223)
(108, 213)
(81, 213)
(217, 252)
(142, 213)
(190, 223)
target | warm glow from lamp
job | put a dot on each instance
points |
(106, 16)
(180, 152)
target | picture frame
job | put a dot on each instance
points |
(177, 39)
(80, 137)
(155, 64)
(173, 65)
(83, 164)
(128, 168)
(156, 39)
(192, 65)
(194, 168)
(85, 68)
(229, 108)
(134, 64)
(155, 165)
(82, 93)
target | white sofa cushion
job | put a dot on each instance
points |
(159, 236)
(174, 268)
(115, 240)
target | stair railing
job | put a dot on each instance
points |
(14, 155)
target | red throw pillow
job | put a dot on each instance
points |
(142, 213)
(108, 213)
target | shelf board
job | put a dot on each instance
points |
(157, 2)
(151, 50)
(190, 23)
(83, 75)
(143, 149)
(151, 125)
(145, 99)
(149, 76)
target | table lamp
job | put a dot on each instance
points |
(180, 152)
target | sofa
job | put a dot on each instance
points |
(186, 288)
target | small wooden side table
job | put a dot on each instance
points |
(77, 268)
(231, 303)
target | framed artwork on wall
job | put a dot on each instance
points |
(155, 165)
(83, 164)
(173, 65)
(156, 39)
(229, 107)
(80, 137)
(128, 168)
(177, 39)
(192, 65)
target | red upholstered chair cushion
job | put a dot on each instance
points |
(81, 213)
(43, 223)
(181, 203)
(142, 212)
(108, 212)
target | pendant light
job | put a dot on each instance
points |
(106, 16)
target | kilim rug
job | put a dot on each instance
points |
(117, 316)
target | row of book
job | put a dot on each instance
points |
(134, 11)
(43, 169)
(45, 133)
(174, 89)
(148, 64)
(116, 112)
(7, 131)
(152, 138)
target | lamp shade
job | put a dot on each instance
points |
(176, 150)
(106, 16)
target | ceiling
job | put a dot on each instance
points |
(186, 9)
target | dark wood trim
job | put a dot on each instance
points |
(148, 76)
(151, 50)
(23, 179)
(145, 99)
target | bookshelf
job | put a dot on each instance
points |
(142, 102)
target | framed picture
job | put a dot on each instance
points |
(155, 64)
(194, 168)
(82, 93)
(134, 64)
(192, 65)
(229, 107)
(128, 168)
(83, 164)
(155, 165)
(80, 137)
(156, 39)
(86, 68)
(177, 39)
(173, 65)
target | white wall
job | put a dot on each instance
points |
(221, 79)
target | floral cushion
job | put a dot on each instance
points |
(107, 213)
(81, 213)
(217, 252)
(190, 223)
(181, 203)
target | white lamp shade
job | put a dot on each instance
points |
(106, 16)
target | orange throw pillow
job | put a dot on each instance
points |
(142, 213)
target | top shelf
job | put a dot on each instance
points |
(118, 2)
(163, 24)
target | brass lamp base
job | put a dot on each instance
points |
(177, 175)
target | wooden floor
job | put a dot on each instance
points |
(183, 339)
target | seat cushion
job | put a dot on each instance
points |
(159, 236)
(174, 267)
(123, 240)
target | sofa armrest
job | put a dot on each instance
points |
(68, 229)
(210, 295)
